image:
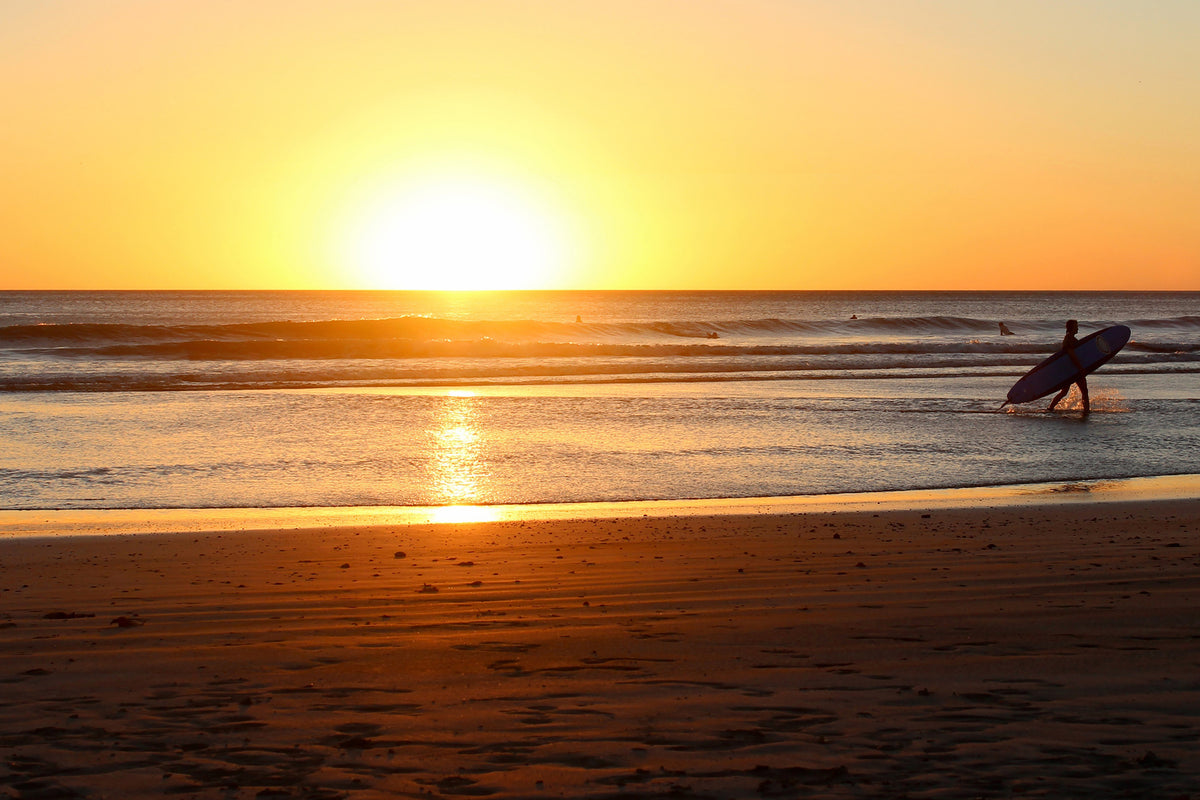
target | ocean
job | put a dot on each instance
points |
(164, 400)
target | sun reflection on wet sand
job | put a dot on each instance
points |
(458, 468)
(106, 522)
(464, 514)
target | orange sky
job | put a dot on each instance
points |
(756, 144)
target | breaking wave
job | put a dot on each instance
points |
(108, 356)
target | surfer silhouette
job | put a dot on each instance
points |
(1004, 331)
(1068, 346)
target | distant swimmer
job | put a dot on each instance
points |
(713, 335)
(1068, 346)
(854, 316)
(1004, 331)
(578, 318)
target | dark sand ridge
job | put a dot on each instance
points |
(1044, 651)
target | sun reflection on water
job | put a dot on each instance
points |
(458, 468)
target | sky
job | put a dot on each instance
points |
(616, 144)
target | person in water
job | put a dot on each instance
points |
(1004, 331)
(1068, 346)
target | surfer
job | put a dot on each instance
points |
(1004, 331)
(1068, 347)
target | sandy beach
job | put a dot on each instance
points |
(1034, 651)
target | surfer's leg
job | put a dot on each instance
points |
(1082, 384)
(1058, 397)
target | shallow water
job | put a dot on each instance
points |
(574, 444)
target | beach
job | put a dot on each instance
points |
(1041, 650)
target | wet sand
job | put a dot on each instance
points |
(1035, 651)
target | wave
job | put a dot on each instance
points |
(431, 372)
(401, 328)
(1191, 322)
(350, 349)
(355, 349)
(428, 329)
(113, 356)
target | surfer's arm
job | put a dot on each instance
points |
(1074, 358)
(1069, 349)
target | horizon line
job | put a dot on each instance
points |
(611, 290)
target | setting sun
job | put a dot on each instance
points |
(618, 145)
(457, 233)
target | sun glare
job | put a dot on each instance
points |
(459, 234)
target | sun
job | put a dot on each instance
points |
(458, 233)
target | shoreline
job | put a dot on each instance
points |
(84, 522)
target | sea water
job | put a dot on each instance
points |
(146, 400)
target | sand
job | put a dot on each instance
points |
(1037, 651)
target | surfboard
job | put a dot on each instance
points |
(1057, 371)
